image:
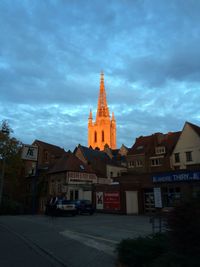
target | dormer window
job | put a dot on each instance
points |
(82, 167)
(160, 150)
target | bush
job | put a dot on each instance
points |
(179, 247)
(184, 224)
(141, 252)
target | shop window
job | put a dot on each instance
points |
(74, 194)
(177, 157)
(188, 155)
(171, 196)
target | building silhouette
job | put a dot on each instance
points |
(103, 131)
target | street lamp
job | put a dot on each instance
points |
(5, 132)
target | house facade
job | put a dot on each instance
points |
(71, 178)
(36, 175)
(186, 154)
(152, 153)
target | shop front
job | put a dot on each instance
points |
(177, 186)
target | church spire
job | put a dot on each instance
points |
(102, 110)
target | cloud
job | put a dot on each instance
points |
(52, 53)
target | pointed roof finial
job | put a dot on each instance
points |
(113, 117)
(90, 116)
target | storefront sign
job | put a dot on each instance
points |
(157, 197)
(99, 200)
(112, 201)
(177, 177)
(30, 152)
(81, 178)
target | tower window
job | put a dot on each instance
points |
(102, 136)
(95, 136)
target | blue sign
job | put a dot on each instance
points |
(177, 177)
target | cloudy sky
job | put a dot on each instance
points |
(52, 53)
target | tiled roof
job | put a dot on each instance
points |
(92, 154)
(147, 144)
(97, 159)
(69, 162)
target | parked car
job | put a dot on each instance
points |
(84, 206)
(60, 207)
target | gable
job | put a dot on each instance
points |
(80, 155)
(188, 140)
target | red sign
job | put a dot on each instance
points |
(111, 201)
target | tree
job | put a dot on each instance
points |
(10, 163)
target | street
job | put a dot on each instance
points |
(78, 241)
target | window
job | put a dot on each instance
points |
(188, 156)
(176, 157)
(102, 136)
(82, 167)
(156, 162)
(95, 136)
(74, 194)
(171, 196)
(111, 174)
(138, 163)
(160, 150)
(131, 164)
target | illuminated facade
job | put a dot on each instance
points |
(103, 131)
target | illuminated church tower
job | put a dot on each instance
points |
(103, 130)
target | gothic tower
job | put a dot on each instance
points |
(103, 131)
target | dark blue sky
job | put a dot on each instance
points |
(52, 53)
